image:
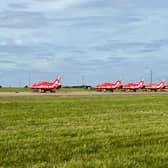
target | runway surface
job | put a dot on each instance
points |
(78, 94)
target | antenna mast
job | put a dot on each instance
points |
(151, 76)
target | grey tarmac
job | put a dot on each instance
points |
(78, 94)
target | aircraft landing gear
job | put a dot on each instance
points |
(153, 90)
(52, 91)
(41, 91)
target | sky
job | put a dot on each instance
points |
(83, 41)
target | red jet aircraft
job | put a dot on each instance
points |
(166, 86)
(155, 87)
(134, 86)
(109, 86)
(46, 86)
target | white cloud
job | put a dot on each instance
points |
(18, 42)
(41, 65)
(58, 5)
(3, 43)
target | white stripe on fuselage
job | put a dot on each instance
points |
(48, 87)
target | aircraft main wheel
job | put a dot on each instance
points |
(52, 91)
(41, 91)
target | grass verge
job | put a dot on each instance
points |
(100, 132)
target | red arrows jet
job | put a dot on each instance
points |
(166, 86)
(109, 86)
(155, 87)
(46, 86)
(134, 86)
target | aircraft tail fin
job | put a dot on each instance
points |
(141, 82)
(55, 83)
(117, 83)
(57, 80)
(162, 83)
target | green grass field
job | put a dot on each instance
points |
(95, 132)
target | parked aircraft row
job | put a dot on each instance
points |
(131, 86)
(47, 86)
